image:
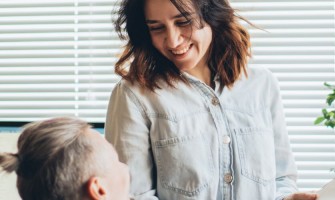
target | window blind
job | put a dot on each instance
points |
(297, 44)
(57, 58)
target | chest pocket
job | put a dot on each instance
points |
(254, 144)
(184, 164)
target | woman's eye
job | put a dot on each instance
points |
(184, 23)
(158, 28)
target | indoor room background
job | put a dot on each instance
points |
(57, 58)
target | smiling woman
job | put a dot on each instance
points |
(179, 39)
(189, 117)
(57, 58)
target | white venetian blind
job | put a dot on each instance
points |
(56, 58)
(298, 46)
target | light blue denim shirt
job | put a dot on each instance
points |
(193, 142)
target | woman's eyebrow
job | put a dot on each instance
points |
(149, 21)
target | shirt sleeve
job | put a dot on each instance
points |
(286, 172)
(127, 128)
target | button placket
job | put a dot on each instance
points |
(228, 178)
(215, 101)
(226, 139)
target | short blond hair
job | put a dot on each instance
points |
(52, 157)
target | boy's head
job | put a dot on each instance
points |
(64, 158)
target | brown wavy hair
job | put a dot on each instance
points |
(228, 53)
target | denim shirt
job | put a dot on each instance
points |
(194, 142)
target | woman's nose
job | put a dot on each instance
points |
(173, 38)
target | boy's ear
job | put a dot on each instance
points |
(96, 189)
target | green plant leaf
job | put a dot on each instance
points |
(319, 120)
(325, 113)
(328, 117)
(326, 84)
(330, 99)
(329, 85)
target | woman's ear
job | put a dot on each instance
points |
(96, 189)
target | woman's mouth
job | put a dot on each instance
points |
(180, 53)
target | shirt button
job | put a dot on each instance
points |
(226, 139)
(228, 178)
(215, 101)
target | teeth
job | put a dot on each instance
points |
(181, 51)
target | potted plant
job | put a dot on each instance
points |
(328, 114)
(328, 117)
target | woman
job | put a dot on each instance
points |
(188, 117)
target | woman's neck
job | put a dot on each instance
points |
(203, 74)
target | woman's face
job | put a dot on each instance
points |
(177, 38)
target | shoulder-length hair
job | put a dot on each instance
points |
(228, 53)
